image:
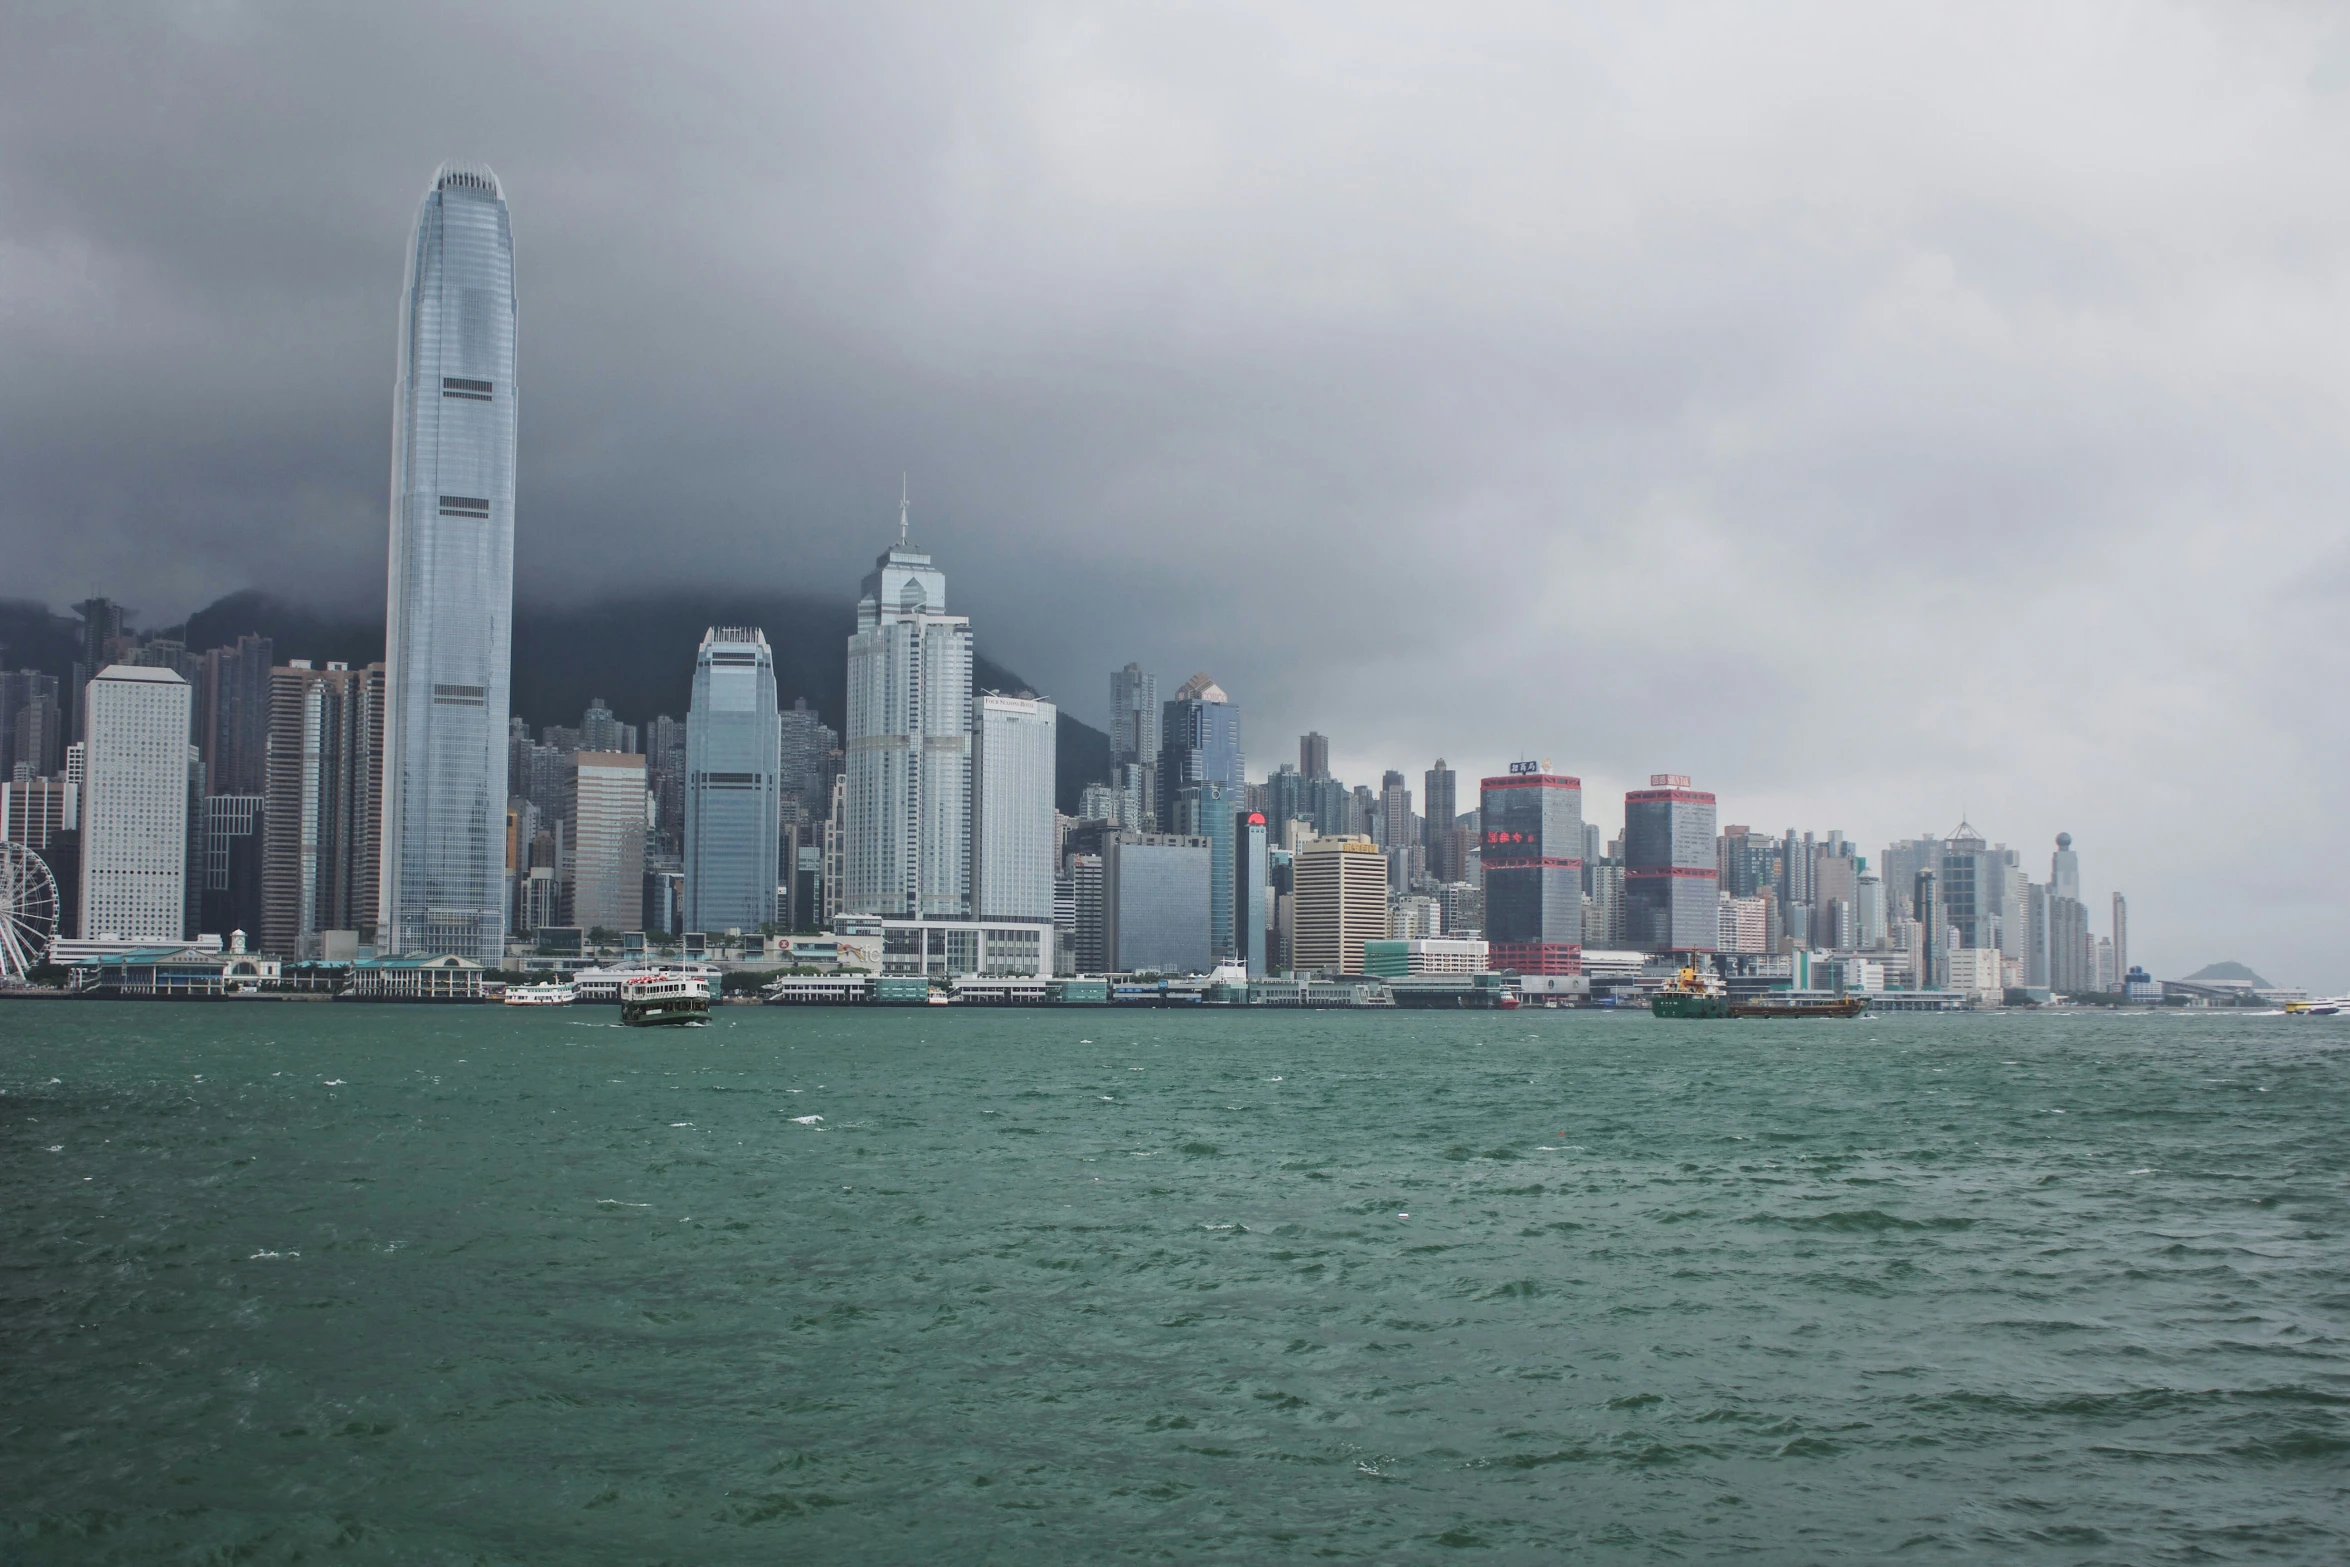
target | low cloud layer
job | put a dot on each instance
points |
(1881, 413)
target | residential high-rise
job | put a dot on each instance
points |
(2072, 951)
(1134, 738)
(232, 715)
(450, 604)
(608, 837)
(1012, 807)
(1089, 936)
(1904, 858)
(600, 729)
(31, 727)
(322, 821)
(909, 743)
(134, 806)
(1438, 803)
(1340, 890)
(1532, 851)
(1313, 755)
(1930, 962)
(1252, 894)
(1671, 883)
(103, 642)
(1746, 862)
(2121, 939)
(732, 746)
(1395, 816)
(808, 744)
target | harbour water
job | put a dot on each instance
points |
(406, 1284)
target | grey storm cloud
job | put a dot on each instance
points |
(1879, 412)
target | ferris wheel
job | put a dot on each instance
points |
(28, 912)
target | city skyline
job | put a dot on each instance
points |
(1893, 440)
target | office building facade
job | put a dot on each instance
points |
(1671, 881)
(232, 689)
(134, 804)
(733, 745)
(1012, 774)
(608, 837)
(909, 744)
(1531, 847)
(1155, 903)
(450, 602)
(1339, 892)
(234, 852)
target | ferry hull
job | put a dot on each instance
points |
(666, 1009)
(1690, 1006)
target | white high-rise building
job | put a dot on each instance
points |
(608, 831)
(1012, 778)
(733, 756)
(450, 604)
(909, 744)
(134, 804)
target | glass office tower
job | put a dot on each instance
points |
(1532, 853)
(733, 756)
(450, 605)
(1672, 880)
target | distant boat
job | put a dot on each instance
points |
(538, 995)
(2331, 1007)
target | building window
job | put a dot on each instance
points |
(459, 696)
(471, 391)
(464, 506)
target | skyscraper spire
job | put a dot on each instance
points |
(902, 511)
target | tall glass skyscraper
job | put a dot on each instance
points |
(450, 610)
(909, 744)
(733, 753)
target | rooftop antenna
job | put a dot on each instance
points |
(902, 507)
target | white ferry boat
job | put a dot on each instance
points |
(539, 995)
(663, 997)
(593, 985)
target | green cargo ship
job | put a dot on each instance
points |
(1691, 994)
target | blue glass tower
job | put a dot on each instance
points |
(450, 601)
(733, 755)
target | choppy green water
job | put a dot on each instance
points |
(385, 1284)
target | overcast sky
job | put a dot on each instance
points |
(1881, 413)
